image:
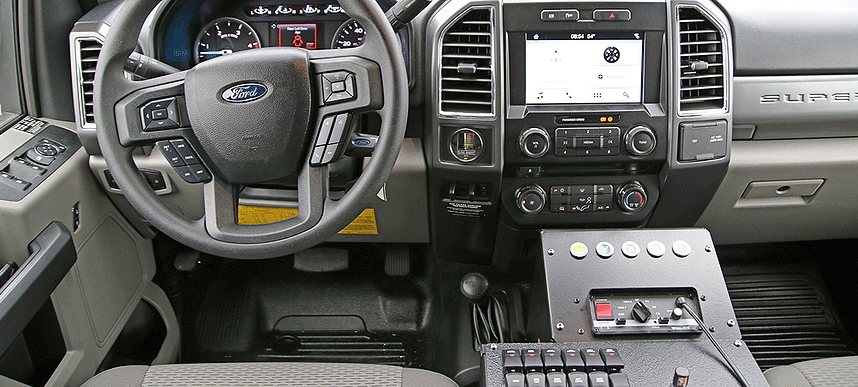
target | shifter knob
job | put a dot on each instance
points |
(474, 286)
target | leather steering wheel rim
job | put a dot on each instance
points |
(381, 48)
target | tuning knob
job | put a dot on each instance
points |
(632, 197)
(530, 199)
(640, 141)
(534, 142)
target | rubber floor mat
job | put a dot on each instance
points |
(784, 313)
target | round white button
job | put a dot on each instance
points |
(578, 250)
(630, 249)
(655, 249)
(605, 249)
(681, 248)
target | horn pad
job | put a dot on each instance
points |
(251, 112)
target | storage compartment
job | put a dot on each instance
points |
(36, 353)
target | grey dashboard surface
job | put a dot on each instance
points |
(793, 36)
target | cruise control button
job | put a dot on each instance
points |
(578, 250)
(170, 153)
(186, 174)
(201, 174)
(184, 150)
(630, 249)
(681, 248)
(655, 248)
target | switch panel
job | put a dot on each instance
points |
(641, 312)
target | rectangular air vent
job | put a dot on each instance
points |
(87, 55)
(467, 64)
(701, 62)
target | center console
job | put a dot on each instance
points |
(628, 315)
(586, 135)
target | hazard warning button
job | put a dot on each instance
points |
(612, 15)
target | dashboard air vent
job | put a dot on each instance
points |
(467, 64)
(701, 62)
(88, 51)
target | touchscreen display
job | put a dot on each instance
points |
(591, 68)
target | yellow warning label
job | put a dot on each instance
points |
(364, 224)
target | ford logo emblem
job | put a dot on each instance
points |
(244, 92)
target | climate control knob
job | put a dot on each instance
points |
(530, 199)
(534, 142)
(632, 197)
(640, 141)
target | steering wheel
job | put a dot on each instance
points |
(254, 117)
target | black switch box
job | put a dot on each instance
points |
(703, 140)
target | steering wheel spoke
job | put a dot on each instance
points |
(221, 219)
(152, 110)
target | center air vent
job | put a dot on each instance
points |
(467, 64)
(701, 62)
(87, 56)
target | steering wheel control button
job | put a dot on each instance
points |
(578, 250)
(186, 174)
(655, 249)
(681, 249)
(325, 131)
(630, 249)
(339, 128)
(330, 152)
(605, 249)
(612, 15)
(184, 150)
(160, 114)
(201, 175)
(338, 86)
(318, 153)
(170, 153)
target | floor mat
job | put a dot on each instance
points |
(784, 313)
(267, 311)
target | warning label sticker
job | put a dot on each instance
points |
(467, 210)
(364, 224)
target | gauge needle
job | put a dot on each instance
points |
(225, 51)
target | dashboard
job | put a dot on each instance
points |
(194, 31)
(531, 114)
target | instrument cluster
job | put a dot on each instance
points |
(193, 31)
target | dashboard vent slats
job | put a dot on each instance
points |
(467, 64)
(701, 55)
(88, 51)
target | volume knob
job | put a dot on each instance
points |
(534, 142)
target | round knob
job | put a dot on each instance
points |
(530, 199)
(534, 142)
(640, 141)
(632, 197)
(676, 314)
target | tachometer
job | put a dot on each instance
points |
(224, 36)
(350, 34)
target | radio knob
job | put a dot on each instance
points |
(530, 199)
(632, 197)
(534, 142)
(640, 141)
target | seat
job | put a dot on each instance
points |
(831, 372)
(268, 374)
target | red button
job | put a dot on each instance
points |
(604, 311)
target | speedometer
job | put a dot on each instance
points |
(350, 34)
(224, 36)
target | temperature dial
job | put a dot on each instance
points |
(632, 197)
(530, 199)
